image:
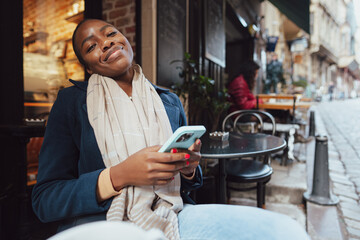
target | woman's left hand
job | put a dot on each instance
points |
(194, 159)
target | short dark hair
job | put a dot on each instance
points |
(76, 49)
(248, 70)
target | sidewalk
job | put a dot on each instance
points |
(344, 165)
(323, 222)
(288, 183)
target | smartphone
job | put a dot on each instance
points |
(183, 137)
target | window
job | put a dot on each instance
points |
(49, 61)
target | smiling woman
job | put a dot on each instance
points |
(100, 158)
(99, 45)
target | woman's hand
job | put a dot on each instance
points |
(194, 159)
(149, 167)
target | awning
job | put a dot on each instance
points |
(296, 10)
(347, 61)
(350, 63)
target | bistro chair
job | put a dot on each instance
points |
(254, 173)
(290, 122)
(280, 98)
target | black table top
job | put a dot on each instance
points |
(246, 145)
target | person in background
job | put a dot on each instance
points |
(100, 161)
(312, 89)
(331, 91)
(274, 74)
(241, 86)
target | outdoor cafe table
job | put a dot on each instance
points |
(238, 146)
(284, 105)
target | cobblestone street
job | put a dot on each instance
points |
(339, 120)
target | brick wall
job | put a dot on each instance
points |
(121, 14)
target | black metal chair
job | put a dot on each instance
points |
(254, 172)
(290, 124)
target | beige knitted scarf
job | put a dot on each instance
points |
(122, 127)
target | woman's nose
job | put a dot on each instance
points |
(107, 44)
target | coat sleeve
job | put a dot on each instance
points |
(60, 192)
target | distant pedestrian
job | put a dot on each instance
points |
(331, 91)
(313, 89)
(274, 74)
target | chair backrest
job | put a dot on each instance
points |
(237, 115)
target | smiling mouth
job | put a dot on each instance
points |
(113, 50)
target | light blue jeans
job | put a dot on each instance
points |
(217, 221)
(200, 222)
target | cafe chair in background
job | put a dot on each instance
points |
(254, 173)
(279, 98)
(289, 123)
(293, 116)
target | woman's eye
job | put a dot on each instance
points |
(90, 48)
(112, 34)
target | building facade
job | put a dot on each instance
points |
(325, 57)
(291, 47)
(333, 57)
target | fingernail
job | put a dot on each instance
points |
(174, 150)
(187, 156)
(198, 142)
(187, 163)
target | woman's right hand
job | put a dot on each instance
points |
(147, 167)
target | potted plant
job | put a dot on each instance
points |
(205, 102)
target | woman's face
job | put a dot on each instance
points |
(104, 49)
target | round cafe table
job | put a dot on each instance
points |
(238, 146)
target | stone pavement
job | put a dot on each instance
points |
(339, 120)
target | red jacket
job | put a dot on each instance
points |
(240, 95)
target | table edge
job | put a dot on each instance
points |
(247, 154)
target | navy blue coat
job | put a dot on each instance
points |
(70, 160)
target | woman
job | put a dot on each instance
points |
(240, 88)
(99, 158)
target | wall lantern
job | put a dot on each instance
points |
(271, 43)
(253, 30)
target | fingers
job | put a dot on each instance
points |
(196, 146)
(169, 167)
(175, 155)
(166, 175)
(194, 155)
(153, 148)
(164, 178)
(189, 170)
(194, 161)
